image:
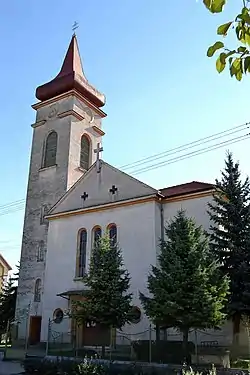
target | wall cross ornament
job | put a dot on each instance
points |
(84, 196)
(113, 189)
(97, 151)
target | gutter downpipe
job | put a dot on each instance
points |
(160, 205)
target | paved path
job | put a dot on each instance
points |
(8, 368)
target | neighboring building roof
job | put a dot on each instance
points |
(5, 263)
(71, 76)
(187, 188)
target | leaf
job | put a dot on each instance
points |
(238, 75)
(212, 49)
(223, 29)
(214, 6)
(247, 64)
(235, 67)
(241, 49)
(221, 62)
(247, 37)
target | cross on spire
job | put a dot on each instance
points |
(97, 151)
(75, 26)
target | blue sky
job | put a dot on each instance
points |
(149, 58)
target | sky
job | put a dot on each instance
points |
(149, 58)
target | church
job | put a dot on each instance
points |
(73, 196)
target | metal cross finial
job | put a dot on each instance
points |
(84, 196)
(97, 151)
(113, 189)
(75, 26)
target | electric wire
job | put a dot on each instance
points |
(191, 154)
(192, 144)
(15, 206)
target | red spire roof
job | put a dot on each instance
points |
(71, 76)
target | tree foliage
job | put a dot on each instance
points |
(230, 215)
(7, 304)
(186, 288)
(108, 301)
(238, 59)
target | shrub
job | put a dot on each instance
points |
(163, 351)
(242, 363)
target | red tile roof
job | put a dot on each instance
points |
(188, 188)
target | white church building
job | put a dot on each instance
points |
(74, 196)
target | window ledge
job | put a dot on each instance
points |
(46, 168)
(78, 278)
(81, 169)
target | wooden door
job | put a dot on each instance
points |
(35, 329)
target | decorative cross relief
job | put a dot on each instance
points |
(84, 196)
(97, 151)
(113, 189)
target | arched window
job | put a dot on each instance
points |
(38, 289)
(50, 150)
(96, 235)
(85, 152)
(81, 256)
(112, 230)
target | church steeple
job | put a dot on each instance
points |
(71, 77)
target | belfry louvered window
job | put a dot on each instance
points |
(85, 152)
(50, 150)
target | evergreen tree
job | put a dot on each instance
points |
(186, 288)
(108, 301)
(7, 304)
(230, 216)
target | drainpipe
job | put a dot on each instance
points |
(160, 205)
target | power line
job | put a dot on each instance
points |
(186, 146)
(18, 205)
(191, 154)
(10, 204)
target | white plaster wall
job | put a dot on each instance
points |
(136, 236)
(97, 186)
(195, 208)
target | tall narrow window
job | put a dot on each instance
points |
(96, 235)
(50, 150)
(38, 289)
(81, 258)
(112, 234)
(85, 152)
(40, 252)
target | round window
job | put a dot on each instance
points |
(58, 316)
(135, 315)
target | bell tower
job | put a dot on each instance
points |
(66, 132)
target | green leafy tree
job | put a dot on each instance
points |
(7, 304)
(230, 215)
(108, 301)
(186, 288)
(238, 59)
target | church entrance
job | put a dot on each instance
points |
(35, 329)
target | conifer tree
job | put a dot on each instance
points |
(108, 301)
(7, 304)
(186, 288)
(230, 216)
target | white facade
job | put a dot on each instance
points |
(139, 215)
